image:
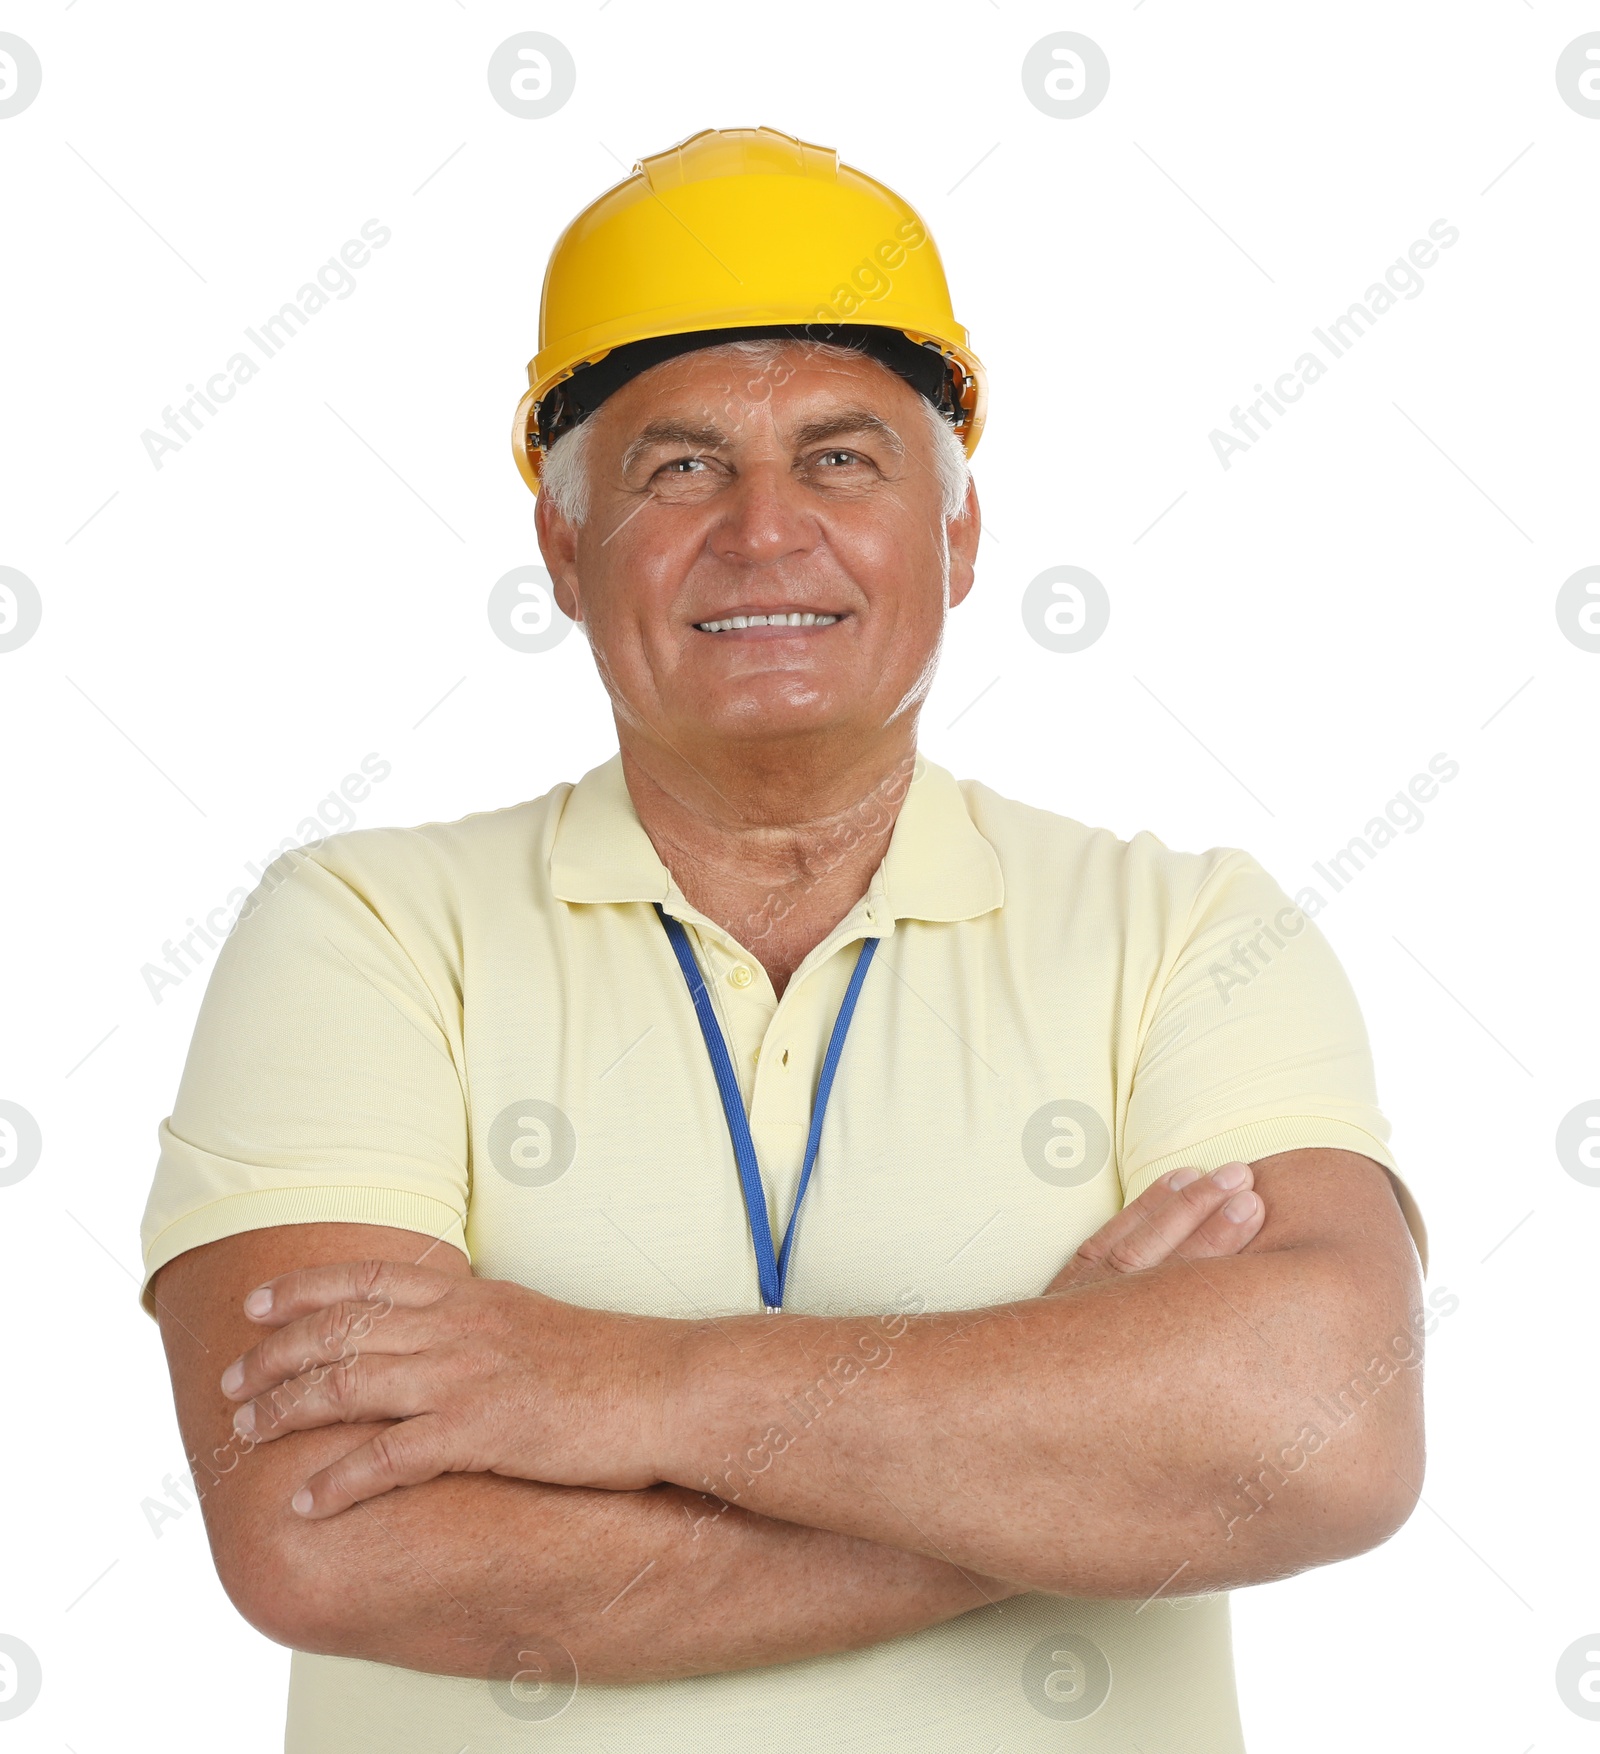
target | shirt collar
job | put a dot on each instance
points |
(938, 866)
(601, 851)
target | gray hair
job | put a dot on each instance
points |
(564, 473)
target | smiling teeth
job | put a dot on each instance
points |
(794, 619)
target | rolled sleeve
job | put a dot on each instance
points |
(322, 1082)
(1256, 1045)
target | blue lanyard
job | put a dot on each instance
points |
(773, 1274)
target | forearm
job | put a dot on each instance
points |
(637, 1586)
(1089, 1443)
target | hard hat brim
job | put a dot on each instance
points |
(960, 367)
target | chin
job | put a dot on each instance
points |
(760, 717)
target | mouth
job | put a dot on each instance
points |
(769, 622)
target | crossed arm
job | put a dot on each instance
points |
(669, 1498)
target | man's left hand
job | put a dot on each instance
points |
(485, 1376)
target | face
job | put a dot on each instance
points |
(718, 489)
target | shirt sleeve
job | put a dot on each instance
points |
(322, 1082)
(1256, 1044)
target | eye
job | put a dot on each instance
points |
(686, 479)
(850, 471)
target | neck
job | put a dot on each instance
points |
(775, 846)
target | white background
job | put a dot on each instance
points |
(1373, 583)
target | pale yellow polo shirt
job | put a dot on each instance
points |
(477, 1030)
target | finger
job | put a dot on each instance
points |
(345, 1394)
(325, 1338)
(1231, 1219)
(1149, 1229)
(292, 1295)
(405, 1455)
(1228, 1230)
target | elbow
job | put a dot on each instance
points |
(266, 1591)
(1381, 1485)
(1341, 1526)
(1354, 1471)
(288, 1593)
(1326, 1500)
(1366, 1502)
(1387, 1494)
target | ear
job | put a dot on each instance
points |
(558, 544)
(962, 533)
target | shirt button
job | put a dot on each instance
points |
(739, 975)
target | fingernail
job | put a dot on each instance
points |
(232, 1377)
(1241, 1208)
(1231, 1175)
(244, 1421)
(301, 1501)
(259, 1302)
(1182, 1177)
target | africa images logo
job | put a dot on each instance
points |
(1402, 279)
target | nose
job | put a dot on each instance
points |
(764, 518)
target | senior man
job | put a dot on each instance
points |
(770, 1240)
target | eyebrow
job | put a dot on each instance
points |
(708, 437)
(673, 432)
(849, 420)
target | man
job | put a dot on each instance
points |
(720, 1248)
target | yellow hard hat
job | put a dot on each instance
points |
(740, 230)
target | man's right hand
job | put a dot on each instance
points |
(1188, 1221)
